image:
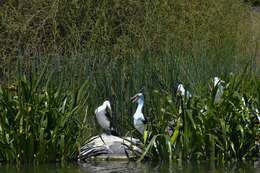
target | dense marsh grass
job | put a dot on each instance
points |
(117, 48)
(204, 129)
(34, 31)
(41, 123)
(215, 132)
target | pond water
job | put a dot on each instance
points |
(132, 167)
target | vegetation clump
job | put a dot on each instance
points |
(201, 128)
(40, 124)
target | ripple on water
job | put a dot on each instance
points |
(133, 167)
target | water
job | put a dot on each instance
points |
(132, 167)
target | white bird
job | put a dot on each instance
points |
(256, 112)
(104, 116)
(182, 91)
(139, 119)
(217, 82)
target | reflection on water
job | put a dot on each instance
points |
(132, 167)
(149, 167)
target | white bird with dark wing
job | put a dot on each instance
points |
(139, 119)
(256, 111)
(104, 117)
(217, 82)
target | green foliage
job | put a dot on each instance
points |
(40, 123)
(254, 2)
(36, 30)
(204, 129)
(117, 47)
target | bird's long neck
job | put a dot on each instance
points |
(140, 106)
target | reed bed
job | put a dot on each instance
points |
(201, 128)
(34, 31)
(40, 123)
(82, 52)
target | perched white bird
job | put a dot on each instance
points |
(180, 90)
(217, 82)
(139, 119)
(104, 116)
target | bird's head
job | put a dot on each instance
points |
(139, 97)
(176, 87)
(180, 90)
(216, 82)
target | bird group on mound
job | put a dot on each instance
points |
(104, 115)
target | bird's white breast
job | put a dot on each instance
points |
(138, 116)
(101, 117)
(138, 122)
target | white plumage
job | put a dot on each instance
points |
(139, 119)
(183, 92)
(103, 115)
(256, 111)
(217, 82)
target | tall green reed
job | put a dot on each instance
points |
(35, 30)
(204, 129)
(40, 123)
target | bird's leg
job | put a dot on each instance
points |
(102, 139)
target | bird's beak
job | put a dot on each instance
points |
(134, 98)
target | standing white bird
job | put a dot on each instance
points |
(139, 119)
(217, 82)
(104, 117)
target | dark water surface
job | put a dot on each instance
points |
(132, 167)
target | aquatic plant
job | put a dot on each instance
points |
(40, 123)
(199, 128)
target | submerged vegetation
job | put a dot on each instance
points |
(60, 60)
